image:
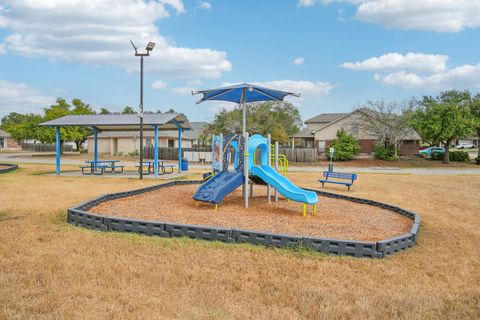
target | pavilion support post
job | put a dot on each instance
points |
(95, 148)
(245, 170)
(179, 150)
(155, 153)
(58, 150)
(276, 167)
(269, 139)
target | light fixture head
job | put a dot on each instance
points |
(150, 46)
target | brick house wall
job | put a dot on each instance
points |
(408, 148)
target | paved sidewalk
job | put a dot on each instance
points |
(27, 158)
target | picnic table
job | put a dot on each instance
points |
(100, 167)
(150, 166)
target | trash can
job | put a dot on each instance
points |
(184, 164)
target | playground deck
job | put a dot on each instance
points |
(338, 219)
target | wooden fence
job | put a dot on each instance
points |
(299, 154)
(204, 154)
(192, 154)
(42, 147)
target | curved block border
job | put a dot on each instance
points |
(79, 216)
(11, 167)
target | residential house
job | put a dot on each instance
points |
(128, 141)
(6, 142)
(322, 129)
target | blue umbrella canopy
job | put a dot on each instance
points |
(243, 93)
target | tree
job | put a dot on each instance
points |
(128, 110)
(345, 146)
(104, 111)
(83, 132)
(21, 126)
(475, 109)
(60, 109)
(388, 122)
(444, 118)
(280, 119)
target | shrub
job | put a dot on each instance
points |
(383, 153)
(346, 146)
(458, 156)
(135, 153)
(437, 156)
(452, 156)
(83, 151)
(478, 160)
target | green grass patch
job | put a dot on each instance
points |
(3, 215)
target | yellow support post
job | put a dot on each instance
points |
(216, 207)
(304, 209)
(314, 209)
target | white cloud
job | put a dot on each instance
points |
(19, 97)
(428, 15)
(463, 77)
(98, 33)
(205, 5)
(159, 85)
(305, 88)
(306, 3)
(195, 83)
(2, 48)
(299, 61)
(418, 70)
(396, 61)
(183, 91)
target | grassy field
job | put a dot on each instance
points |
(51, 270)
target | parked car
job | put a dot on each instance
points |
(429, 151)
(465, 146)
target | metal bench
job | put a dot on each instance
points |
(112, 169)
(171, 166)
(338, 175)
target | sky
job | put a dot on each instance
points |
(337, 54)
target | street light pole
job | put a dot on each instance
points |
(149, 48)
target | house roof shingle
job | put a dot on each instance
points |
(325, 118)
(4, 134)
(197, 129)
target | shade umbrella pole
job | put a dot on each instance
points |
(245, 151)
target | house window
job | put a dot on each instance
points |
(149, 142)
(2, 143)
(171, 143)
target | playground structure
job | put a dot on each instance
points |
(252, 159)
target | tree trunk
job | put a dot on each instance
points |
(78, 143)
(478, 143)
(446, 155)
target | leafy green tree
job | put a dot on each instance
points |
(79, 108)
(60, 109)
(21, 126)
(475, 109)
(128, 110)
(345, 146)
(444, 118)
(104, 111)
(281, 120)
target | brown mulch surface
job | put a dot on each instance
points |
(338, 219)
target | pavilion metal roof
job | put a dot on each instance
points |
(123, 122)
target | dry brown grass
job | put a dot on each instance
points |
(50, 270)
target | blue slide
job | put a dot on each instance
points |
(283, 185)
(218, 187)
